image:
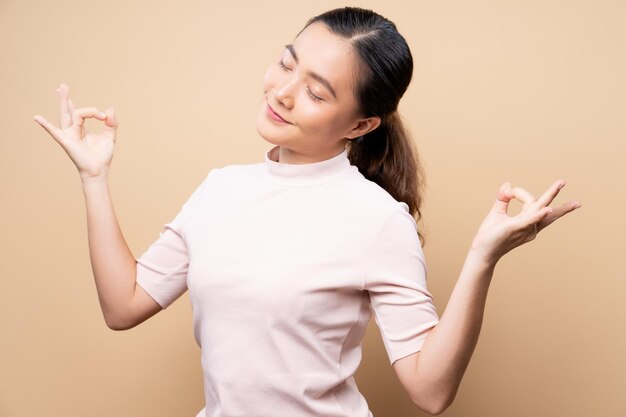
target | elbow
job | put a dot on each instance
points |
(113, 325)
(435, 408)
(117, 324)
(119, 327)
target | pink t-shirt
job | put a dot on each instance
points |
(284, 264)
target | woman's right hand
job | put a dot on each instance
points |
(91, 153)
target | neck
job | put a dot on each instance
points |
(286, 155)
(303, 170)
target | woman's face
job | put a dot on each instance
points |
(310, 85)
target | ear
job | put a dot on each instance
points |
(363, 126)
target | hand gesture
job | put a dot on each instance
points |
(499, 232)
(91, 153)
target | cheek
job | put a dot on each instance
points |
(312, 112)
(319, 118)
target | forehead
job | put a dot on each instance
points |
(326, 54)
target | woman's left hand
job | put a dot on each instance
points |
(499, 232)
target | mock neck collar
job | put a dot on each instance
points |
(305, 174)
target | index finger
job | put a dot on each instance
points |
(549, 195)
(80, 115)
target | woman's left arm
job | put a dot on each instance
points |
(443, 359)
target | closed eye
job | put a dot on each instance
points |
(283, 66)
(313, 96)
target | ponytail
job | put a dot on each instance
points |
(388, 157)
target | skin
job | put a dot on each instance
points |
(317, 130)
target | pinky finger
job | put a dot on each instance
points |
(49, 127)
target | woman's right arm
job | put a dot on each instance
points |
(124, 303)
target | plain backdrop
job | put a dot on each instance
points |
(521, 91)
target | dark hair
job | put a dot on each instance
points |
(387, 154)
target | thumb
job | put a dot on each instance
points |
(502, 198)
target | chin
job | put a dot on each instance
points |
(267, 138)
(270, 132)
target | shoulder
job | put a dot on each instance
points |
(220, 177)
(373, 198)
(235, 172)
(229, 177)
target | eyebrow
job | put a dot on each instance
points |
(312, 74)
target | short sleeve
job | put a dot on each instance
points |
(162, 268)
(395, 277)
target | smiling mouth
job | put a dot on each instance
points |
(274, 115)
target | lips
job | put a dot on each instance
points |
(276, 115)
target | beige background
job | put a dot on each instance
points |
(520, 91)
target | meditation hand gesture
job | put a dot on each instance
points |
(499, 232)
(91, 153)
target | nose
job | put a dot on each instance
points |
(283, 92)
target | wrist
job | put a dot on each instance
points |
(94, 180)
(482, 257)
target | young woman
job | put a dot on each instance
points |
(285, 260)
